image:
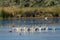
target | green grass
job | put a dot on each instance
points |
(13, 10)
(27, 9)
(43, 9)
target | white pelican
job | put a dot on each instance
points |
(40, 29)
(17, 29)
(46, 18)
(24, 29)
(31, 29)
(46, 28)
(53, 30)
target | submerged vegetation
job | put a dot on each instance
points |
(29, 8)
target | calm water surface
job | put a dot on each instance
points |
(7, 25)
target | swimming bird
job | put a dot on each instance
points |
(46, 18)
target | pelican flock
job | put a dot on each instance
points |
(33, 29)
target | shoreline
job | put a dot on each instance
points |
(26, 18)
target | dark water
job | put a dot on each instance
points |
(31, 21)
(7, 25)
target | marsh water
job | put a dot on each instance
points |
(7, 25)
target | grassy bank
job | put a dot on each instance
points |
(9, 12)
(26, 9)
